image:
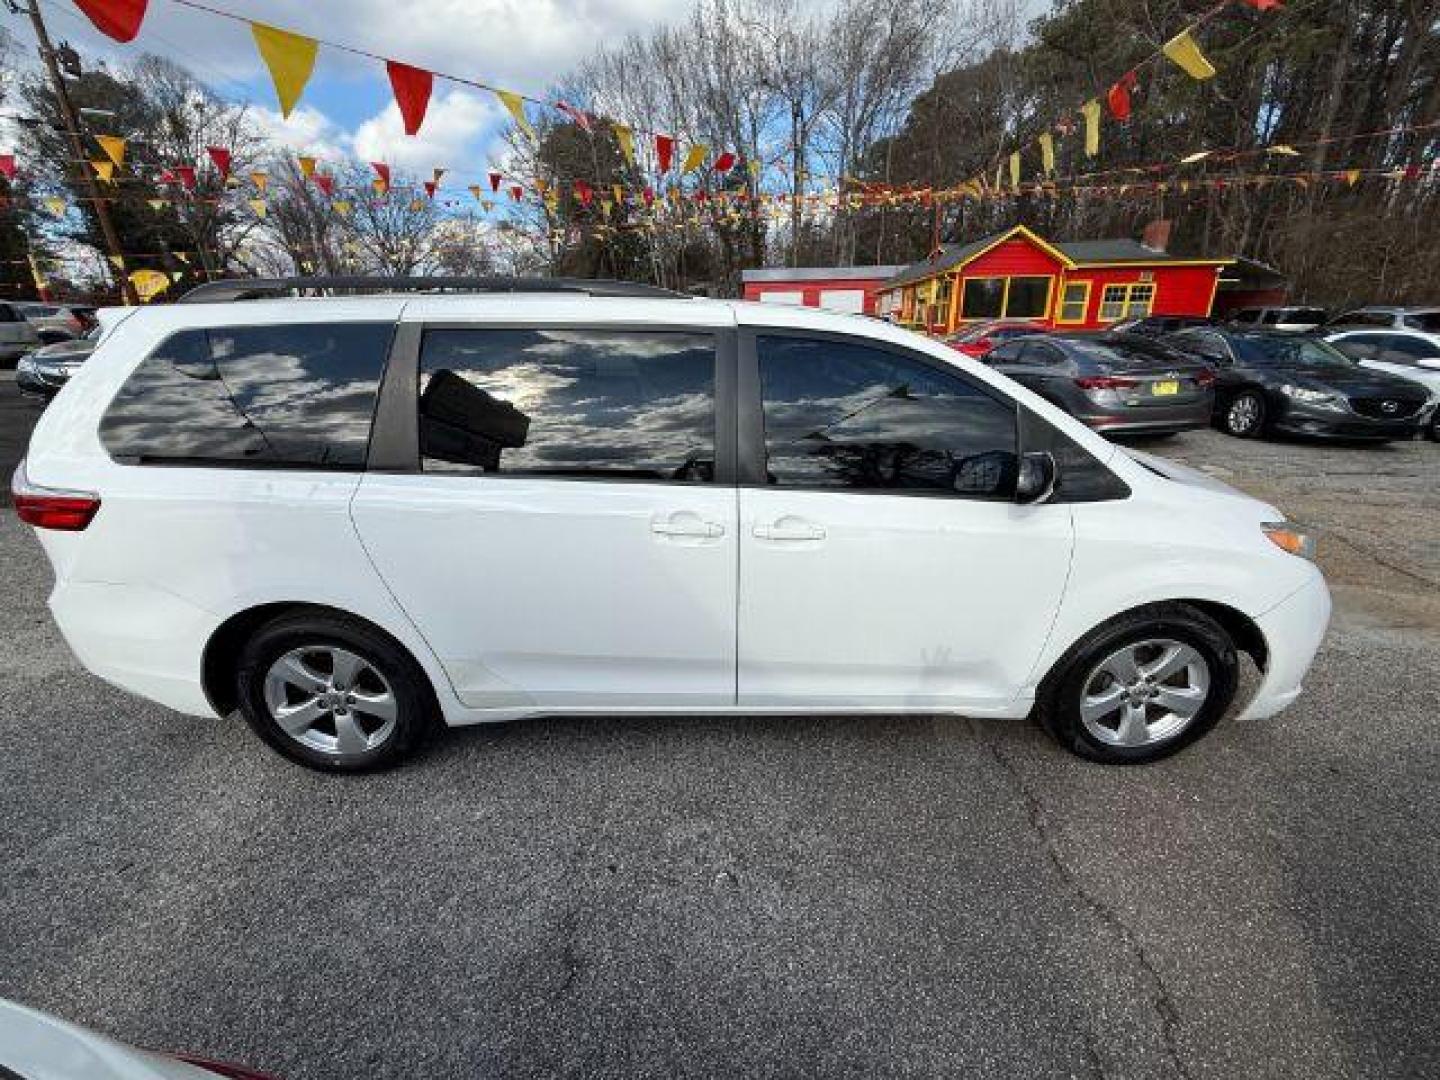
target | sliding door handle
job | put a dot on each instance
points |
(790, 529)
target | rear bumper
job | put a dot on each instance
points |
(140, 639)
(1147, 418)
(1293, 630)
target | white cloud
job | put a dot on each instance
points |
(449, 138)
(307, 131)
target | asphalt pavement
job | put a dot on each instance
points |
(776, 898)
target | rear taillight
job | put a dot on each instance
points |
(1105, 382)
(1205, 377)
(51, 508)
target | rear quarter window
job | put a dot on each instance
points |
(298, 396)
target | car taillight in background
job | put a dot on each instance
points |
(51, 508)
(1105, 382)
(222, 1068)
(1205, 377)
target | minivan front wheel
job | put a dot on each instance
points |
(1142, 686)
(332, 693)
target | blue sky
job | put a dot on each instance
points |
(347, 109)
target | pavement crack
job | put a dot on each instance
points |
(1160, 997)
(1380, 560)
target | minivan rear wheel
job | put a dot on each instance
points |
(1142, 686)
(332, 693)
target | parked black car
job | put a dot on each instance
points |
(1116, 384)
(1299, 384)
(47, 369)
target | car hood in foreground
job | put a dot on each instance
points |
(1184, 474)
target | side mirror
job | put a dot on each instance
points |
(1036, 480)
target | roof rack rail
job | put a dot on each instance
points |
(214, 292)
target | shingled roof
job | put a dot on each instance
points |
(1077, 251)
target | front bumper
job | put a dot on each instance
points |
(1302, 419)
(39, 383)
(1293, 630)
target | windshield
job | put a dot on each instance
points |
(1428, 321)
(1289, 351)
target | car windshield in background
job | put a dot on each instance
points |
(1429, 321)
(1302, 315)
(1289, 351)
(1125, 353)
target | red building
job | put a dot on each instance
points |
(1085, 285)
(849, 289)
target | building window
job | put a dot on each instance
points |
(1005, 298)
(983, 298)
(943, 293)
(1126, 301)
(1027, 298)
(1074, 301)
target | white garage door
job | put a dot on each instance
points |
(850, 301)
(777, 296)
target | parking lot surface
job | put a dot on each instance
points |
(851, 897)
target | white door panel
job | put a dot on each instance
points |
(894, 601)
(559, 593)
(848, 301)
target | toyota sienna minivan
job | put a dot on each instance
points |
(355, 516)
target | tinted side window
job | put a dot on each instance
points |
(289, 395)
(616, 404)
(846, 415)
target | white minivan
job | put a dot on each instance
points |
(352, 516)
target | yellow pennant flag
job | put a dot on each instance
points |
(1187, 56)
(1047, 153)
(258, 205)
(542, 186)
(103, 169)
(156, 204)
(1352, 177)
(694, 158)
(619, 194)
(342, 207)
(380, 186)
(291, 60)
(475, 190)
(606, 206)
(1282, 150)
(999, 173)
(1015, 171)
(307, 166)
(183, 257)
(516, 104)
(487, 205)
(626, 138)
(117, 261)
(437, 173)
(417, 205)
(114, 147)
(55, 205)
(1091, 111)
(259, 179)
(149, 284)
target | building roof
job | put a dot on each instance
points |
(1076, 252)
(819, 273)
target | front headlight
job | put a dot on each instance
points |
(1290, 537)
(1310, 397)
(26, 366)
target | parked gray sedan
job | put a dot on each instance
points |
(1114, 383)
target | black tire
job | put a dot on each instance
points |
(415, 710)
(1433, 431)
(1059, 696)
(1248, 421)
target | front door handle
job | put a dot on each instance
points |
(688, 526)
(789, 528)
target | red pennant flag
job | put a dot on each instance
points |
(1263, 5)
(648, 195)
(325, 183)
(221, 157)
(430, 187)
(412, 92)
(119, 19)
(1118, 97)
(584, 192)
(186, 173)
(515, 192)
(7, 166)
(382, 170)
(167, 177)
(578, 115)
(725, 162)
(664, 150)
(495, 181)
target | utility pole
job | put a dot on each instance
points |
(77, 145)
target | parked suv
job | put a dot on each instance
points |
(1284, 319)
(18, 334)
(350, 516)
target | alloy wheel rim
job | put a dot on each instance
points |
(1144, 693)
(330, 700)
(1244, 412)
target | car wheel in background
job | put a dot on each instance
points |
(1244, 415)
(1142, 686)
(333, 693)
